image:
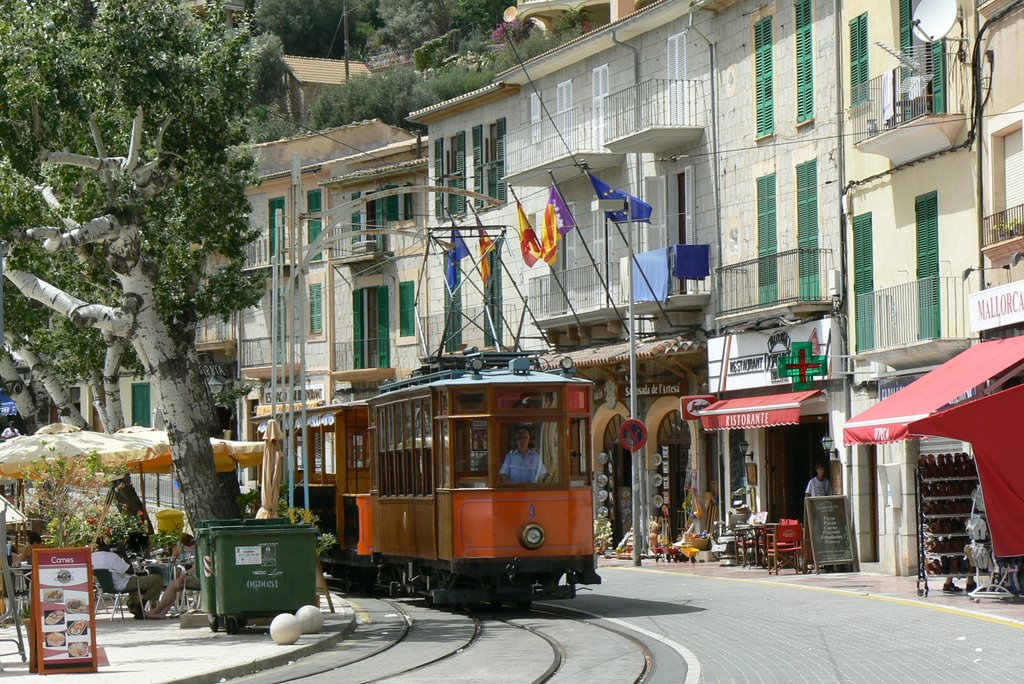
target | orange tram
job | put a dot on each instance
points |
(478, 485)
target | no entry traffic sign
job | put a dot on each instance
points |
(632, 434)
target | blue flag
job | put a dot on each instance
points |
(641, 210)
(458, 252)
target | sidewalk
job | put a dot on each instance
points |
(876, 586)
(154, 651)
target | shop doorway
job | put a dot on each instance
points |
(792, 453)
(674, 443)
(621, 479)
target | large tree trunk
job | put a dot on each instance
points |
(184, 397)
(30, 398)
(112, 386)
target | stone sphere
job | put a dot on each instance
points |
(285, 629)
(310, 618)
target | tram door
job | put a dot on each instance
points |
(621, 475)
(674, 438)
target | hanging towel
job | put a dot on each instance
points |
(692, 262)
(889, 98)
(654, 265)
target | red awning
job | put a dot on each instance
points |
(755, 412)
(887, 420)
(991, 425)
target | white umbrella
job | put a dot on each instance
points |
(273, 465)
(67, 441)
(226, 453)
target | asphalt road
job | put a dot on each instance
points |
(665, 627)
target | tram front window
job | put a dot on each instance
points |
(533, 454)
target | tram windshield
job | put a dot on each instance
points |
(531, 453)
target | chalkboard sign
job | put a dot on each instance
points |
(828, 529)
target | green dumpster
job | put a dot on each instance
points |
(204, 564)
(260, 569)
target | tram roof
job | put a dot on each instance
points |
(487, 376)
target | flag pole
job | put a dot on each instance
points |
(554, 276)
(487, 252)
(638, 469)
(525, 300)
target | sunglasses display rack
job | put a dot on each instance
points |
(945, 483)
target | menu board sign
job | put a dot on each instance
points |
(828, 529)
(64, 629)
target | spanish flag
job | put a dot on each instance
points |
(527, 238)
(485, 250)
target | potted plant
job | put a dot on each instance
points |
(602, 534)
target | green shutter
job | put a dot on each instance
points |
(141, 407)
(500, 158)
(314, 205)
(457, 203)
(438, 178)
(938, 82)
(859, 93)
(906, 26)
(316, 308)
(406, 308)
(358, 329)
(383, 329)
(478, 163)
(764, 78)
(379, 221)
(804, 62)
(408, 206)
(392, 205)
(273, 206)
(926, 211)
(767, 241)
(807, 230)
(493, 298)
(356, 219)
(864, 281)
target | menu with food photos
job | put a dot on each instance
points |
(65, 627)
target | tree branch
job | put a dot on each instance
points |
(135, 146)
(101, 150)
(82, 314)
(83, 161)
(94, 230)
(54, 387)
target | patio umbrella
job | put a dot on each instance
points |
(273, 465)
(60, 440)
(226, 453)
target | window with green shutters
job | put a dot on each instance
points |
(807, 230)
(438, 178)
(275, 213)
(764, 78)
(767, 241)
(383, 328)
(864, 281)
(392, 206)
(371, 328)
(314, 205)
(937, 54)
(407, 308)
(457, 174)
(141, 407)
(906, 26)
(316, 308)
(804, 62)
(926, 211)
(479, 163)
(499, 159)
(358, 329)
(859, 93)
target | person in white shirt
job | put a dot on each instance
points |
(148, 586)
(819, 485)
(10, 432)
(522, 464)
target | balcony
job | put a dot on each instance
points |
(906, 114)
(920, 323)
(591, 304)
(214, 333)
(531, 150)
(655, 116)
(1003, 235)
(368, 361)
(363, 249)
(796, 282)
(257, 357)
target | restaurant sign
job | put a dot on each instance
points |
(63, 614)
(751, 359)
(997, 306)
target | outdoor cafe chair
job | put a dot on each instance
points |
(785, 547)
(105, 591)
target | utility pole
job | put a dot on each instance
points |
(344, 35)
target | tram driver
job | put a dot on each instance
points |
(522, 464)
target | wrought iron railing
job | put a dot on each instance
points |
(927, 309)
(657, 103)
(906, 93)
(214, 329)
(799, 275)
(1003, 225)
(540, 143)
(371, 352)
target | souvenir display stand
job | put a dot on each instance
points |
(945, 483)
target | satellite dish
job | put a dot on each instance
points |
(933, 19)
(510, 13)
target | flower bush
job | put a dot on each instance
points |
(67, 493)
(516, 30)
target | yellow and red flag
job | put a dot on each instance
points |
(485, 250)
(527, 238)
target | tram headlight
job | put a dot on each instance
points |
(531, 536)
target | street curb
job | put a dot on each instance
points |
(325, 641)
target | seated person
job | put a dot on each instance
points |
(125, 580)
(522, 464)
(35, 541)
(185, 550)
(170, 595)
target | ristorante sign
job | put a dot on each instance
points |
(997, 306)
